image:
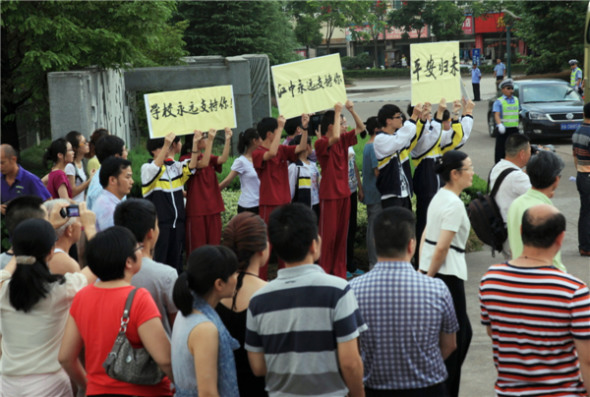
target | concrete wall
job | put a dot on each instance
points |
(88, 99)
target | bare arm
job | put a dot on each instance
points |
(203, 343)
(359, 125)
(204, 161)
(69, 353)
(76, 190)
(223, 158)
(583, 350)
(276, 140)
(163, 154)
(440, 251)
(154, 339)
(447, 343)
(456, 110)
(228, 179)
(336, 126)
(351, 366)
(303, 142)
(62, 192)
(257, 363)
(442, 106)
(195, 150)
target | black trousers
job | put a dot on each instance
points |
(170, 245)
(455, 360)
(476, 96)
(500, 150)
(252, 209)
(397, 201)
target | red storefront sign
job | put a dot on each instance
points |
(490, 23)
(468, 25)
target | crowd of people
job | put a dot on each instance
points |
(215, 325)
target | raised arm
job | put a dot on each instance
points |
(303, 142)
(204, 161)
(442, 106)
(223, 158)
(276, 140)
(161, 157)
(359, 125)
(336, 126)
(456, 110)
(193, 163)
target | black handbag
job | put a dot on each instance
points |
(128, 364)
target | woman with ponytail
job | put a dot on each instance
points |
(34, 306)
(442, 250)
(246, 236)
(207, 367)
(60, 153)
(243, 166)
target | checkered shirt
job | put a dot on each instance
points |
(406, 311)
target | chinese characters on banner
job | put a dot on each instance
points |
(435, 72)
(184, 111)
(309, 86)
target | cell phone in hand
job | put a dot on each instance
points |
(70, 211)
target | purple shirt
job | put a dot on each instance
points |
(25, 183)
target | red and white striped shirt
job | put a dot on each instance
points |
(535, 314)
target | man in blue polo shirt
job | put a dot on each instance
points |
(475, 79)
(16, 181)
(499, 70)
(411, 317)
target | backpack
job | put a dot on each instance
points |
(485, 217)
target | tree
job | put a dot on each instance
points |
(410, 16)
(307, 26)
(443, 17)
(340, 14)
(374, 26)
(41, 37)
(552, 31)
(230, 28)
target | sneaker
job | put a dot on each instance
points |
(357, 272)
(348, 275)
(584, 253)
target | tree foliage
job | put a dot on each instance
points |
(230, 28)
(443, 17)
(374, 25)
(41, 37)
(553, 31)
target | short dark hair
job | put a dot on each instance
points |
(266, 125)
(541, 233)
(543, 169)
(204, 265)
(157, 143)
(297, 140)
(387, 112)
(108, 251)
(22, 208)
(291, 229)
(327, 120)
(292, 124)
(109, 145)
(372, 124)
(446, 115)
(587, 110)
(515, 143)
(394, 221)
(112, 166)
(451, 160)
(136, 214)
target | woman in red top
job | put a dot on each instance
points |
(95, 318)
(204, 204)
(60, 153)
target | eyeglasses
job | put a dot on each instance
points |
(509, 88)
(470, 168)
(397, 117)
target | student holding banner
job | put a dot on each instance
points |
(162, 180)
(332, 152)
(271, 161)
(395, 136)
(204, 203)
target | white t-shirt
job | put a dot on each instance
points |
(79, 178)
(446, 212)
(31, 341)
(514, 185)
(250, 184)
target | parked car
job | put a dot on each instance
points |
(549, 109)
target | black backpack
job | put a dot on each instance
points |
(485, 217)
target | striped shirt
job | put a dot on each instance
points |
(297, 321)
(535, 314)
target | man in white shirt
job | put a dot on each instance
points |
(516, 183)
(116, 178)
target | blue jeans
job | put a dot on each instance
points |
(583, 185)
